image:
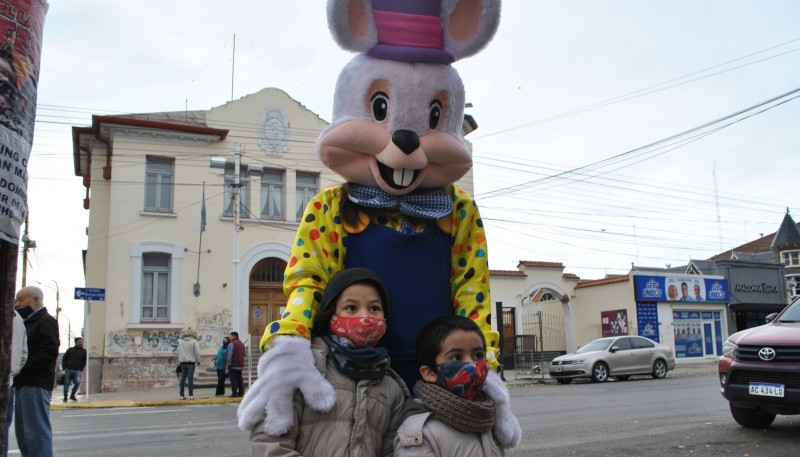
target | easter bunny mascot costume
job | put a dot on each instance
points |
(395, 137)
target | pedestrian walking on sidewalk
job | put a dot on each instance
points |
(236, 352)
(73, 363)
(189, 358)
(34, 383)
(221, 364)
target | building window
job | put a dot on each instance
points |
(268, 270)
(158, 184)
(306, 190)
(790, 258)
(155, 287)
(793, 285)
(272, 194)
(155, 284)
(244, 193)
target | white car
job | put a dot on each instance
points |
(617, 356)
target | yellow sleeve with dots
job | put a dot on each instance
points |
(317, 253)
(470, 266)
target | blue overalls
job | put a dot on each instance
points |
(415, 267)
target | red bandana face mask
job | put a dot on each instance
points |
(361, 331)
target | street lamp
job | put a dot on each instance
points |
(58, 295)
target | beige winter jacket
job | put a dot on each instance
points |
(423, 435)
(362, 423)
(188, 349)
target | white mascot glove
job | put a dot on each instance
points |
(506, 426)
(287, 366)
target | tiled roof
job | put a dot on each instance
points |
(610, 279)
(507, 273)
(537, 264)
(571, 276)
(753, 247)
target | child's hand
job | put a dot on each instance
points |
(284, 368)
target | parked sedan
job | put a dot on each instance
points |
(618, 357)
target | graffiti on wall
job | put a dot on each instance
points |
(210, 329)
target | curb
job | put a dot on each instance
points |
(132, 403)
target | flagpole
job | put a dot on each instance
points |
(200, 242)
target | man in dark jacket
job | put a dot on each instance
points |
(34, 384)
(236, 352)
(73, 363)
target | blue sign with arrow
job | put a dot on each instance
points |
(86, 293)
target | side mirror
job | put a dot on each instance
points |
(770, 317)
(613, 349)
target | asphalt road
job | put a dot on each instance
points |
(640, 417)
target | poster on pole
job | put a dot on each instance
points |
(21, 24)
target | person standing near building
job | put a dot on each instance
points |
(236, 351)
(34, 383)
(221, 364)
(19, 354)
(189, 358)
(73, 363)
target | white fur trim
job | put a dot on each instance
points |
(506, 427)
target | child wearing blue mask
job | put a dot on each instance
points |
(452, 416)
(347, 346)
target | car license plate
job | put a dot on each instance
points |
(766, 390)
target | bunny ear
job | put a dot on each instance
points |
(436, 31)
(352, 25)
(469, 25)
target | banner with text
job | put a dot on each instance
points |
(655, 288)
(21, 23)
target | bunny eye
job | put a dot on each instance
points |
(380, 106)
(435, 115)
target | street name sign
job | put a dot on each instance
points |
(86, 293)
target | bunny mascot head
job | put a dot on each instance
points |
(395, 137)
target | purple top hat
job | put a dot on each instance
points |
(409, 31)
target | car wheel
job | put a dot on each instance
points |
(751, 417)
(622, 377)
(600, 372)
(659, 369)
(564, 381)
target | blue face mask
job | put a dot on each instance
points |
(464, 379)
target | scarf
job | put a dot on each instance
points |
(428, 204)
(357, 363)
(471, 416)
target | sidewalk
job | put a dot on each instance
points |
(160, 396)
(166, 396)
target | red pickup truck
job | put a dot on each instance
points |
(759, 371)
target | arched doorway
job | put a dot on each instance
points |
(267, 301)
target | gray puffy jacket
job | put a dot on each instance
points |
(362, 423)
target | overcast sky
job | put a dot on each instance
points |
(572, 98)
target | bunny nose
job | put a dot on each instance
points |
(406, 140)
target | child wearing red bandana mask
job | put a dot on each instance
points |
(346, 344)
(453, 415)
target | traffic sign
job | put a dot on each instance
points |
(86, 293)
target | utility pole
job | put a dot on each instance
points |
(237, 185)
(27, 243)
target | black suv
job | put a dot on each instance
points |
(759, 371)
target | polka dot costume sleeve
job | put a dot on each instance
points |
(470, 268)
(316, 255)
